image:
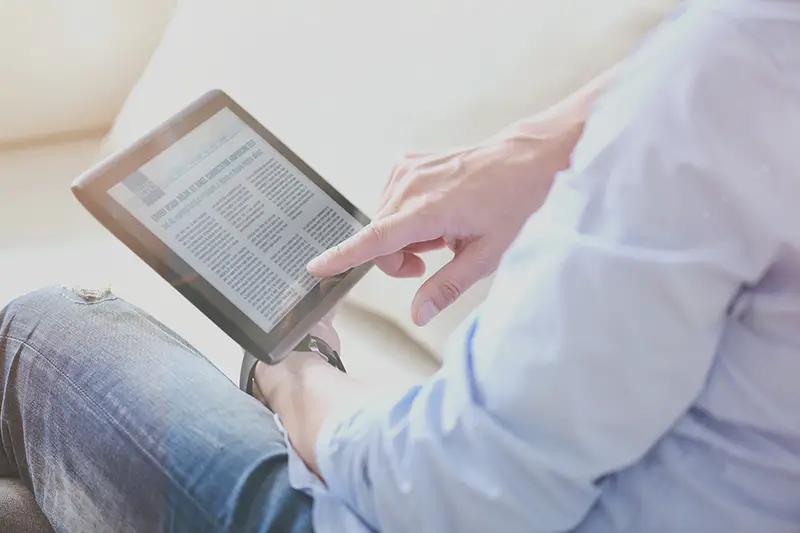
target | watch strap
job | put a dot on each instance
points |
(310, 343)
(247, 373)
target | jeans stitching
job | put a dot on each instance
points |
(75, 386)
(11, 464)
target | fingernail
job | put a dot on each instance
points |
(427, 312)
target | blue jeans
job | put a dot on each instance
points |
(117, 424)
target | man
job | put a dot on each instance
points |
(633, 368)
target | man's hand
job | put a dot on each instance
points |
(472, 200)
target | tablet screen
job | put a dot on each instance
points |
(238, 212)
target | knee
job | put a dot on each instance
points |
(35, 308)
(44, 298)
(53, 297)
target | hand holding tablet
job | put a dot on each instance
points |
(230, 217)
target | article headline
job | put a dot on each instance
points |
(202, 181)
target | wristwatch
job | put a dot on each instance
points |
(313, 344)
(310, 343)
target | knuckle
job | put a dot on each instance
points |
(339, 252)
(376, 233)
(450, 290)
(412, 168)
(404, 190)
(415, 184)
(394, 175)
(403, 166)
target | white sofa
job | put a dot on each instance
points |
(350, 85)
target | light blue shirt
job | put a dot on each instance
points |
(636, 367)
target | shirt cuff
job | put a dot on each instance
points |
(330, 513)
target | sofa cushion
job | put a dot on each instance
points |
(68, 66)
(351, 85)
(18, 510)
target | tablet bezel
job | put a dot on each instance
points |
(91, 190)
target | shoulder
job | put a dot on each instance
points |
(700, 111)
(699, 81)
(701, 61)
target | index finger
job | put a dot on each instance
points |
(381, 237)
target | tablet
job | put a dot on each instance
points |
(229, 216)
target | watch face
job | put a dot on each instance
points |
(313, 344)
(318, 345)
(321, 348)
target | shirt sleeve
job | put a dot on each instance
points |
(604, 317)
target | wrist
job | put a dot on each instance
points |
(545, 141)
(277, 383)
(549, 140)
(574, 110)
(559, 127)
(537, 149)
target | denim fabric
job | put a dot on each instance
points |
(118, 424)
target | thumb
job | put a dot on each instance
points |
(451, 281)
